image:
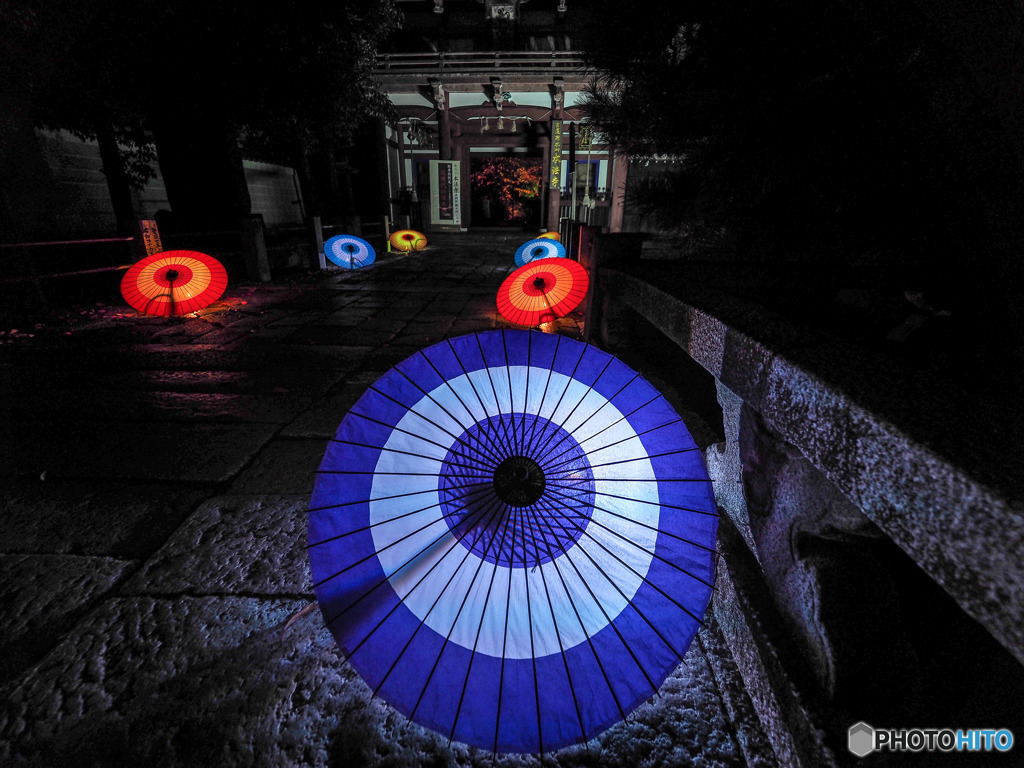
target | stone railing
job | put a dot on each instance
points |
(857, 502)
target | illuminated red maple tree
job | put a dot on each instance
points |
(511, 181)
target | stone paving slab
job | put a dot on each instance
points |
(90, 518)
(233, 545)
(190, 453)
(224, 336)
(310, 317)
(308, 382)
(239, 356)
(322, 419)
(386, 357)
(260, 336)
(365, 334)
(127, 405)
(349, 321)
(193, 682)
(284, 466)
(41, 597)
(217, 681)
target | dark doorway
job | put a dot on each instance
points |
(506, 190)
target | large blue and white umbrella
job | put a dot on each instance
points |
(349, 251)
(512, 539)
(539, 248)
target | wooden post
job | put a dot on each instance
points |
(254, 248)
(620, 165)
(554, 156)
(444, 130)
(589, 257)
(147, 238)
(318, 239)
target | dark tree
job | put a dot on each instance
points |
(845, 126)
(205, 81)
(34, 39)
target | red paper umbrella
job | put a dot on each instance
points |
(542, 290)
(174, 283)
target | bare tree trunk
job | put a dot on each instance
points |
(113, 170)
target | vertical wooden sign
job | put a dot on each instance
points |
(556, 154)
(147, 238)
(445, 193)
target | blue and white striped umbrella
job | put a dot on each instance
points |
(539, 248)
(512, 538)
(349, 251)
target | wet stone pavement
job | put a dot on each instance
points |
(156, 474)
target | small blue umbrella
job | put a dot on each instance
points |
(539, 248)
(512, 538)
(349, 251)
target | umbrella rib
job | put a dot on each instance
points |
(390, 519)
(479, 628)
(376, 472)
(647, 525)
(447, 382)
(528, 448)
(554, 620)
(596, 410)
(641, 458)
(511, 400)
(493, 448)
(462, 607)
(385, 498)
(526, 389)
(402, 598)
(642, 577)
(655, 504)
(388, 546)
(411, 434)
(569, 379)
(412, 410)
(489, 430)
(520, 444)
(617, 421)
(478, 465)
(504, 643)
(649, 480)
(643, 549)
(533, 650)
(618, 588)
(431, 397)
(547, 301)
(600, 606)
(386, 579)
(590, 387)
(497, 403)
(590, 452)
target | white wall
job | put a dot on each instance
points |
(82, 202)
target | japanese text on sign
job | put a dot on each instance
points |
(586, 136)
(556, 154)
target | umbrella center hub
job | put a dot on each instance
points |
(174, 276)
(519, 481)
(538, 282)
